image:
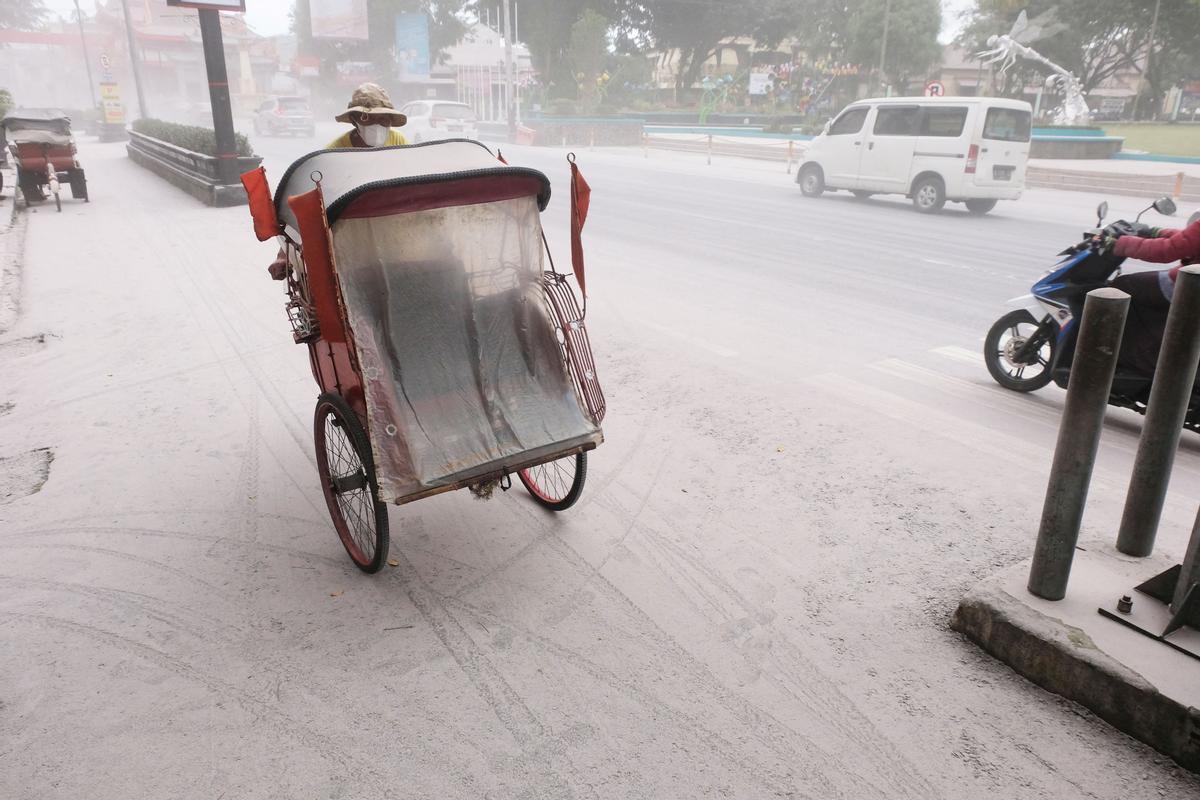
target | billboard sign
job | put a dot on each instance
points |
(412, 45)
(338, 19)
(215, 5)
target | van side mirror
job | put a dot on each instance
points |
(828, 125)
(1165, 206)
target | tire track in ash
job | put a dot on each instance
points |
(212, 541)
(816, 691)
(353, 765)
(149, 605)
(118, 554)
(540, 519)
(213, 635)
(267, 390)
(906, 776)
(766, 777)
(537, 746)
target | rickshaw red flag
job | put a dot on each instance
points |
(581, 197)
(309, 209)
(262, 207)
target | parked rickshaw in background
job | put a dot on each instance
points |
(43, 151)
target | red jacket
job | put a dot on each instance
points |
(1171, 245)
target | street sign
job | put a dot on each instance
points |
(105, 61)
(215, 5)
(935, 89)
(110, 99)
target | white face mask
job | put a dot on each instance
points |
(373, 135)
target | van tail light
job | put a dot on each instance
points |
(433, 121)
(972, 159)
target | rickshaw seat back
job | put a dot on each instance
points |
(460, 363)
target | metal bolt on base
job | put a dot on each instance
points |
(1125, 604)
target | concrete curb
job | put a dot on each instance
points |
(219, 195)
(1064, 659)
(12, 246)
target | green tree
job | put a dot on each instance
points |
(912, 37)
(23, 14)
(1096, 40)
(588, 56)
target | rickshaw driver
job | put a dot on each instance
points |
(375, 120)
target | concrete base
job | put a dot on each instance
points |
(1137, 684)
(214, 194)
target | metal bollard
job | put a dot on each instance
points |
(1078, 440)
(710, 150)
(1189, 576)
(791, 146)
(1173, 377)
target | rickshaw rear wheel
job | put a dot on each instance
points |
(556, 485)
(349, 483)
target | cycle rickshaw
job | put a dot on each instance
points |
(43, 149)
(446, 355)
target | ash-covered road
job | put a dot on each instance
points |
(806, 466)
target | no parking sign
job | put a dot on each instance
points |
(935, 89)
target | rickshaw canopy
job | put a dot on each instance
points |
(370, 181)
(42, 125)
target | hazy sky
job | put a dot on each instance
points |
(270, 17)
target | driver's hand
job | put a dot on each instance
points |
(1102, 244)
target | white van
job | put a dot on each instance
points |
(933, 149)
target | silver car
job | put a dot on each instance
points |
(436, 119)
(284, 115)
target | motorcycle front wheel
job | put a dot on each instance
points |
(1006, 337)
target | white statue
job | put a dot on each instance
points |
(1005, 49)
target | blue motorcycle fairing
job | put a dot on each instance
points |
(1051, 287)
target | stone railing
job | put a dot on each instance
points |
(195, 173)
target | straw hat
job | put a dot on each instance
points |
(372, 99)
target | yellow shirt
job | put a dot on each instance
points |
(395, 137)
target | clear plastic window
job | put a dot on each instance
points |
(943, 122)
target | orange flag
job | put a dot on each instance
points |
(581, 195)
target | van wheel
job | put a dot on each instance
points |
(811, 180)
(929, 195)
(980, 207)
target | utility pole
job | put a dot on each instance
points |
(218, 93)
(134, 61)
(887, 19)
(87, 60)
(509, 96)
(1150, 55)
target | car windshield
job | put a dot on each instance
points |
(293, 104)
(454, 112)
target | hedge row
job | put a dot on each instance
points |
(189, 137)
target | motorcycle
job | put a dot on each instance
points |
(1033, 345)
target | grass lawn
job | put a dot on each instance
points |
(1181, 139)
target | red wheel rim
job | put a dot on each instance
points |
(553, 481)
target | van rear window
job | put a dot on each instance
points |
(1007, 125)
(943, 121)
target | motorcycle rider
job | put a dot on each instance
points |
(1150, 292)
(373, 116)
